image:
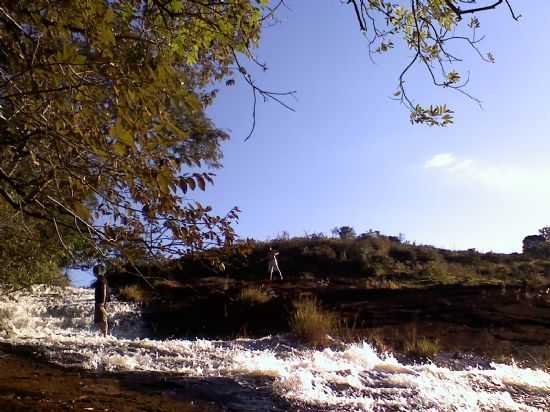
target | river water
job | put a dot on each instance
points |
(271, 373)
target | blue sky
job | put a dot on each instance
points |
(349, 155)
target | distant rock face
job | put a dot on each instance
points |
(532, 242)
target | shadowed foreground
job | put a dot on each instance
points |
(32, 385)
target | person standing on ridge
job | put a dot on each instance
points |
(101, 299)
(273, 264)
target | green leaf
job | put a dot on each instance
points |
(121, 134)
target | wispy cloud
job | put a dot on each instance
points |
(440, 160)
(506, 177)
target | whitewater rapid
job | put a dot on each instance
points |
(58, 323)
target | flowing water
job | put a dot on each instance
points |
(262, 374)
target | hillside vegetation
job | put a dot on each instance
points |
(381, 261)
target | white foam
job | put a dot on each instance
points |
(355, 378)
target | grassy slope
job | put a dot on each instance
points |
(381, 262)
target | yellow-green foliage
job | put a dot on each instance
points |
(133, 293)
(311, 323)
(437, 272)
(254, 296)
(31, 252)
(422, 347)
(128, 102)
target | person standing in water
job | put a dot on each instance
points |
(273, 264)
(101, 299)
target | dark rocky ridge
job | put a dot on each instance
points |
(481, 318)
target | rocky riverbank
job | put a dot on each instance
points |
(496, 321)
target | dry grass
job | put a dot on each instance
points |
(254, 296)
(376, 340)
(422, 347)
(382, 283)
(545, 357)
(166, 283)
(311, 323)
(539, 357)
(134, 293)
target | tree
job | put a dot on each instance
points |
(29, 255)
(536, 245)
(429, 28)
(344, 232)
(545, 233)
(102, 116)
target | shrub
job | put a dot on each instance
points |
(437, 272)
(494, 257)
(321, 250)
(253, 296)
(312, 324)
(133, 293)
(423, 347)
(381, 283)
(379, 245)
(466, 257)
(425, 254)
(502, 270)
(402, 253)
(524, 269)
(462, 272)
(359, 254)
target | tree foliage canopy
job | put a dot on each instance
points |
(102, 114)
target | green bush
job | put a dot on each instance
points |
(379, 245)
(437, 272)
(358, 254)
(423, 347)
(323, 250)
(466, 257)
(402, 253)
(425, 254)
(34, 252)
(312, 324)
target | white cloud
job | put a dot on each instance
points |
(462, 165)
(515, 178)
(441, 160)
